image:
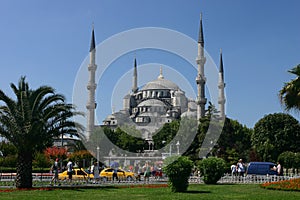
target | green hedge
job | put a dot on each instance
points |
(178, 169)
(211, 169)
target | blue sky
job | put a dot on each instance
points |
(49, 40)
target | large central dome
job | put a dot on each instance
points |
(160, 83)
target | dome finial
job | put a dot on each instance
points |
(160, 73)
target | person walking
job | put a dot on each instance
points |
(233, 170)
(147, 172)
(70, 170)
(54, 170)
(96, 172)
(241, 168)
(115, 175)
(279, 169)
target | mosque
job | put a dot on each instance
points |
(157, 102)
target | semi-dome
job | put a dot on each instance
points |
(189, 114)
(151, 102)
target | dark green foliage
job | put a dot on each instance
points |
(234, 142)
(166, 133)
(8, 161)
(178, 169)
(106, 139)
(287, 159)
(31, 122)
(289, 94)
(274, 134)
(41, 161)
(211, 169)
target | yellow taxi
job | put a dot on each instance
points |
(107, 174)
(78, 174)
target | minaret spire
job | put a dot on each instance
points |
(92, 46)
(91, 104)
(221, 87)
(200, 79)
(200, 36)
(134, 84)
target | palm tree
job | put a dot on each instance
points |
(290, 93)
(32, 121)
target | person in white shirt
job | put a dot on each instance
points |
(70, 170)
(240, 167)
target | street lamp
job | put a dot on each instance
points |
(125, 161)
(1, 155)
(170, 148)
(98, 148)
(177, 145)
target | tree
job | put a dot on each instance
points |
(117, 141)
(274, 134)
(234, 142)
(55, 152)
(31, 122)
(290, 93)
(166, 134)
(81, 157)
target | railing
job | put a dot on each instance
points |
(8, 179)
(249, 179)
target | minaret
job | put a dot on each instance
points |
(91, 104)
(221, 86)
(134, 80)
(200, 79)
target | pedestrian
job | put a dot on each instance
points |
(233, 169)
(279, 169)
(241, 168)
(96, 172)
(147, 172)
(115, 175)
(54, 170)
(70, 170)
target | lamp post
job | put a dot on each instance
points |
(177, 145)
(62, 146)
(125, 161)
(98, 148)
(1, 155)
(170, 147)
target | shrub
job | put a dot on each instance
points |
(178, 169)
(212, 169)
(8, 161)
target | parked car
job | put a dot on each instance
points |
(78, 174)
(107, 174)
(261, 168)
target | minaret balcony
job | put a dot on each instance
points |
(201, 101)
(91, 86)
(200, 79)
(92, 67)
(221, 85)
(91, 106)
(221, 101)
(200, 60)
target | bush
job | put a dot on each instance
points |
(212, 169)
(178, 169)
(9, 161)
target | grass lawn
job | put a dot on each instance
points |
(209, 192)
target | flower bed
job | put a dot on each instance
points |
(289, 185)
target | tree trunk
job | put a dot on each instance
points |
(24, 170)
